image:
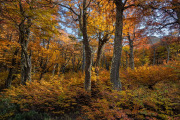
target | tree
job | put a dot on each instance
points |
(166, 41)
(80, 12)
(23, 24)
(130, 34)
(121, 6)
(117, 45)
(154, 43)
(100, 26)
(24, 15)
(163, 15)
(9, 48)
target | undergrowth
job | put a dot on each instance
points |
(65, 98)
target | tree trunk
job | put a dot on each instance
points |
(98, 58)
(54, 69)
(131, 54)
(88, 68)
(144, 55)
(78, 65)
(102, 61)
(107, 64)
(157, 62)
(154, 56)
(101, 44)
(88, 59)
(11, 70)
(41, 75)
(83, 59)
(25, 66)
(25, 57)
(63, 68)
(114, 75)
(45, 61)
(168, 53)
(177, 10)
(24, 33)
(73, 62)
(126, 59)
(92, 56)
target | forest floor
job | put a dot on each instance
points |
(148, 92)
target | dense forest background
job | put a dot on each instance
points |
(89, 59)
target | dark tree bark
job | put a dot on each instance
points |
(88, 59)
(11, 70)
(157, 62)
(82, 18)
(144, 55)
(131, 54)
(25, 65)
(154, 56)
(114, 75)
(107, 64)
(92, 55)
(44, 62)
(24, 33)
(176, 5)
(25, 57)
(83, 59)
(103, 60)
(168, 53)
(73, 62)
(79, 64)
(101, 43)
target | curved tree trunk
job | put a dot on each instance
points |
(101, 44)
(25, 57)
(24, 33)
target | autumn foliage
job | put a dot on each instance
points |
(65, 97)
(89, 60)
(150, 75)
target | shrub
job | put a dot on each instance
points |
(39, 96)
(56, 96)
(3, 77)
(64, 97)
(7, 109)
(31, 115)
(150, 75)
(143, 103)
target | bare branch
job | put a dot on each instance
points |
(168, 24)
(68, 7)
(124, 3)
(88, 4)
(129, 6)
